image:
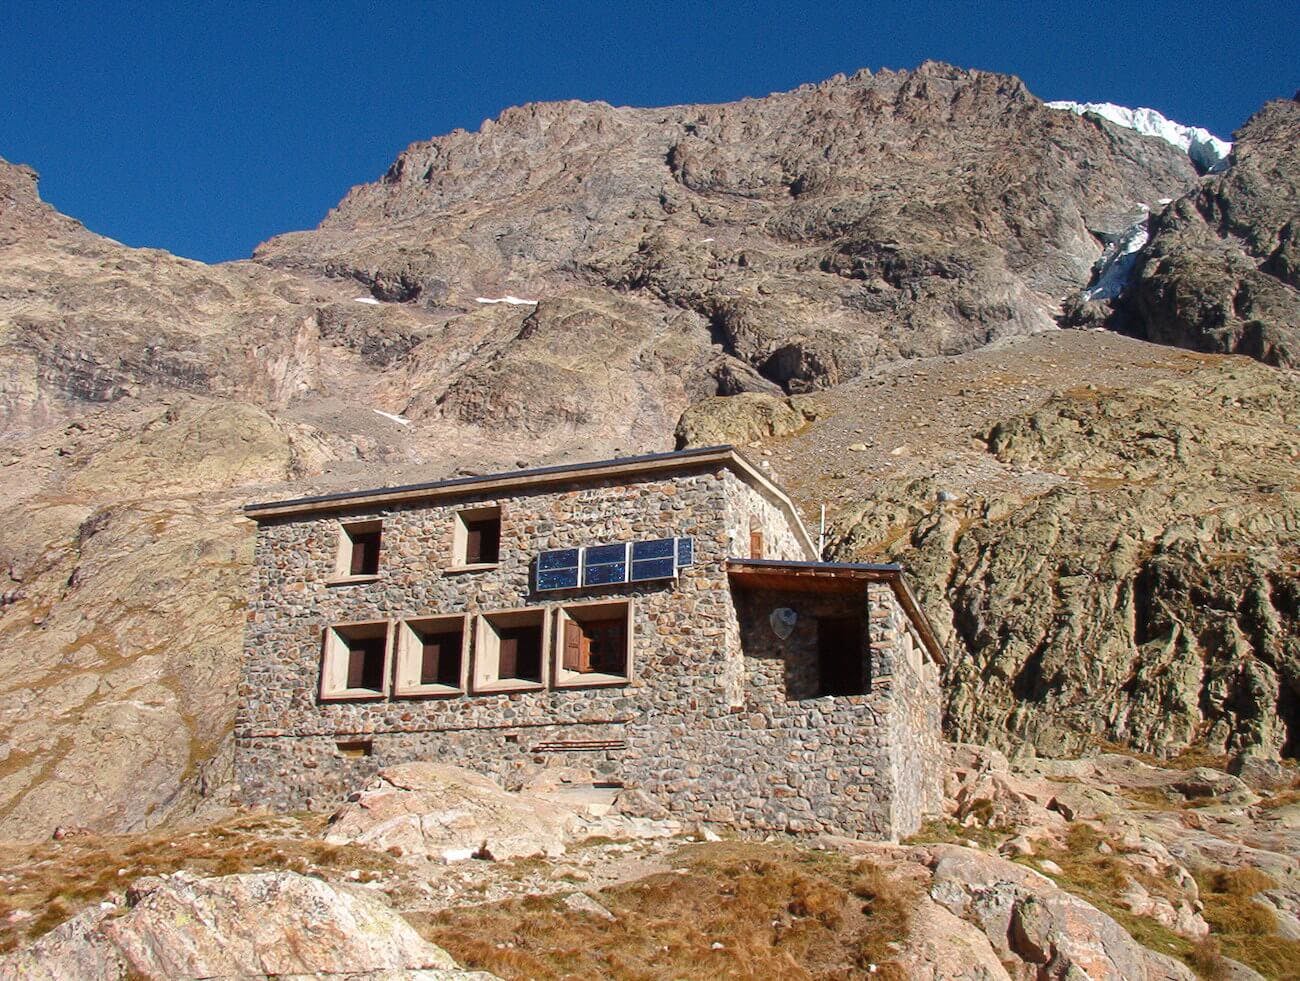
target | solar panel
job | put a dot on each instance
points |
(603, 565)
(654, 559)
(558, 569)
(685, 552)
(559, 558)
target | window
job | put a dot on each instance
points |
(594, 644)
(358, 551)
(355, 661)
(477, 537)
(431, 656)
(755, 539)
(841, 661)
(355, 749)
(509, 650)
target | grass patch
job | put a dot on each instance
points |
(1098, 877)
(731, 910)
(55, 880)
(941, 832)
(1245, 930)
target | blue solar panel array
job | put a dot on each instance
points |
(608, 565)
(558, 569)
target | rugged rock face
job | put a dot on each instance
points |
(1221, 271)
(806, 252)
(1146, 593)
(810, 234)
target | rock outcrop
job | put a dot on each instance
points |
(447, 813)
(1221, 271)
(1146, 593)
(262, 925)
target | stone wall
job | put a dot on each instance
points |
(835, 763)
(909, 680)
(708, 723)
(679, 628)
(748, 507)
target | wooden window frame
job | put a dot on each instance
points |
(460, 537)
(343, 574)
(485, 674)
(334, 647)
(410, 651)
(564, 678)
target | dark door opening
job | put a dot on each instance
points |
(840, 657)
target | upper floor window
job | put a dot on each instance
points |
(358, 552)
(477, 537)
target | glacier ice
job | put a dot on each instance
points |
(1206, 150)
(1115, 267)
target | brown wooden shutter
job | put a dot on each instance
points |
(755, 543)
(359, 556)
(429, 665)
(573, 647)
(356, 666)
(508, 654)
(473, 544)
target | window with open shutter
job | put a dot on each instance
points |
(595, 646)
(574, 655)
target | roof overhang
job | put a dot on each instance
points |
(487, 485)
(842, 578)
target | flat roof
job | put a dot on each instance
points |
(825, 577)
(497, 483)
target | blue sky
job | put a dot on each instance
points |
(206, 128)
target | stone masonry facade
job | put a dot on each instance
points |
(717, 718)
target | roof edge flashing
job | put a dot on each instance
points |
(340, 500)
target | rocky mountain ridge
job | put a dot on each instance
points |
(874, 260)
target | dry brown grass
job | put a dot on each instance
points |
(1099, 877)
(1240, 928)
(951, 833)
(1188, 759)
(777, 912)
(54, 880)
(1245, 930)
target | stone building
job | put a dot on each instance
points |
(662, 620)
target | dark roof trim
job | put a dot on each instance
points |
(629, 467)
(890, 573)
(267, 508)
(778, 564)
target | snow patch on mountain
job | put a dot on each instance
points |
(1206, 150)
(512, 300)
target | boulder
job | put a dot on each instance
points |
(1262, 774)
(738, 419)
(941, 947)
(1030, 921)
(250, 926)
(446, 813)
